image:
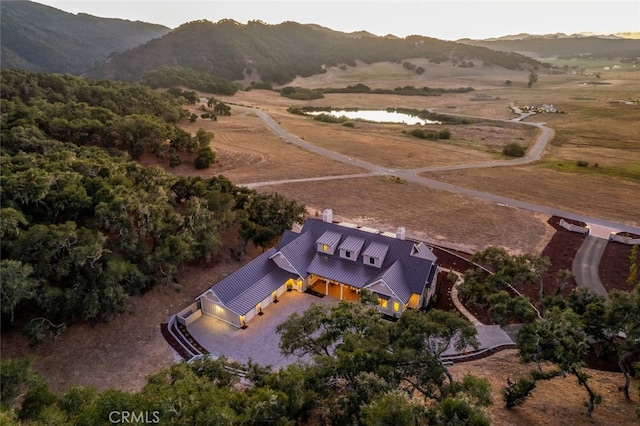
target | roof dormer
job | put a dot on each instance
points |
(350, 248)
(328, 242)
(374, 254)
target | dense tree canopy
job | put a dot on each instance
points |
(364, 373)
(84, 227)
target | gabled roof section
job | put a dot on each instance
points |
(341, 270)
(394, 278)
(329, 238)
(376, 249)
(243, 289)
(422, 251)
(287, 237)
(352, 244)
(299, 251)
(416, 269)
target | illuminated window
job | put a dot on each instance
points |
(383, 303)
(325, 248)
(396, 306)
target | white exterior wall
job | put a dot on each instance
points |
(217, 310)
(281, 290)
(380, 288)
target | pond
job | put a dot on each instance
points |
(377, 116)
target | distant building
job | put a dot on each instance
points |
(337, 259)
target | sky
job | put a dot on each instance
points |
(443, 19)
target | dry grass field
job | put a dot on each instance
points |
(427, 214)
(558, 402)
(596, 128)
(387, 145)
(247, 151)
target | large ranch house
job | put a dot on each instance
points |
(334, 259)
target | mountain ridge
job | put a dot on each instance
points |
(41, 38)
(280, 52)
(629, 35)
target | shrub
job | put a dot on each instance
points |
(518, 393)
(300, 93)
(444, 134)
(206, 157)
(261, 85)
(295, 110)
(513, 150)
(174, 160)
(326, 118)
(349, 124)
(35, 400)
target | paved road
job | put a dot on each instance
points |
(586, 264)
(410, 174)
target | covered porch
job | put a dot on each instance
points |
(334, 289)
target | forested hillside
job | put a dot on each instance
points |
(279, 53)
(36, 37)
(83, 225)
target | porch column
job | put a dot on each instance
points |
(341, 287)
(326, 287)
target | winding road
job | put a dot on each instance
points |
(410, 175)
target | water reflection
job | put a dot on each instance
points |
(377, 116)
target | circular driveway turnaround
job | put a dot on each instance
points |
(535, 152)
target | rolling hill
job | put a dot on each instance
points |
(562, 45)
(279, 53)
(41, 38)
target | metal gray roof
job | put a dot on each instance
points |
(376, 249)
(421, 250)
(352, 244)
(341, 270)
(299, 252)
(401, 270)
(417, 270)
(394, 278)
(245, 287)
(258, 291)
(287, 237)
(329, 238)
